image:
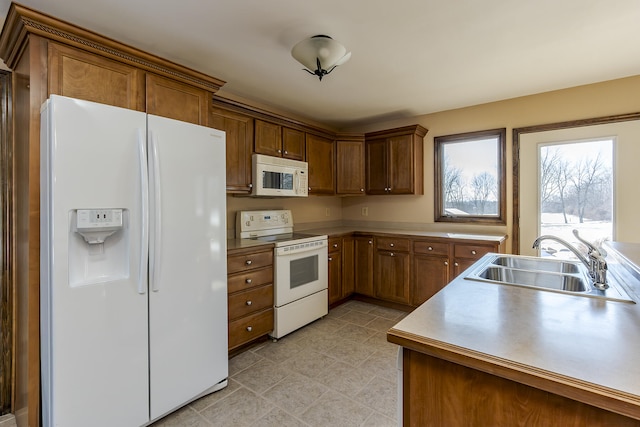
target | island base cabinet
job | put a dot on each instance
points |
(441, 393)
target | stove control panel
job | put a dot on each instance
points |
(257, 223)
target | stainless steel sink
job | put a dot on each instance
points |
(539, 264)
(563, 282)
(554, 275)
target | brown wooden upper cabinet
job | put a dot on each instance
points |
(350, 164)
(321, 159)
(177, 100)
(83, 75)
(395, 161)
(239, 139)
(279, 141)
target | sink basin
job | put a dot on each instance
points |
(563, 282)
(548, 274)
(538, 264)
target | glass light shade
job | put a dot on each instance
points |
(329, 52)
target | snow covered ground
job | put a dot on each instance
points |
(553, 223)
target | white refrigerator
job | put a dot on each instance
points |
(133, 264)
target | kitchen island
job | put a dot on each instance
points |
(481, 353)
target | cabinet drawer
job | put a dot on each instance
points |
(335, 244)
(252, 300)
(392, 244)
(249, 279)
(242, 262)
(431, 248)
(471, 251)
(247, 328)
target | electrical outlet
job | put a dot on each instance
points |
(365, 211)
(327, 212)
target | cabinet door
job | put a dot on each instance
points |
(391, 281)
(293, 144)
(335, 276)
(350, 166)
(348, 266)
(177, 100)
(430, 274)
(400, 167)
(91, 77)
(364, 265)
(376, 170)
(239, 140)
(320, 156)
(268, 139)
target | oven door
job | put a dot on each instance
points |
(300, 270)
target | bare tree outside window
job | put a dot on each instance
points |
(469, 177)
(576, 191)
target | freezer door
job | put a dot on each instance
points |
(187, 264)
(94, 333)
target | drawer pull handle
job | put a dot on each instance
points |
(248, 281)
(248, 262)
(473, 252)
(249, 328)
(430, 248)
(249, 302)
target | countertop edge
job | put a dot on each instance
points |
(589, 393)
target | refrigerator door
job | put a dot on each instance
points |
(93, 317)
(187, 264)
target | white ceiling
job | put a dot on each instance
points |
(410, 57)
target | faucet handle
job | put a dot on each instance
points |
(589, 245)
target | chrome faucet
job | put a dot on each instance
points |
(594, 261)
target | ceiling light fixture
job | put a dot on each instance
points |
(320, 53)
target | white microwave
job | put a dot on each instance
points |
(275, 176)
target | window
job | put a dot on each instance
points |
(470, 177)
(576, 192)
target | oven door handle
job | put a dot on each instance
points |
(282, 252)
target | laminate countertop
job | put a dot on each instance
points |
(340, 230)
(582, 348)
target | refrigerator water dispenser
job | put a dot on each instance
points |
(98, 246)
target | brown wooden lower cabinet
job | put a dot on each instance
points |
(440, 393)
(363, 265)
(250, 294)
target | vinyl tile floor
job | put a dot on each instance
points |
(336, 371)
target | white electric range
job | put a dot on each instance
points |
(300, 267)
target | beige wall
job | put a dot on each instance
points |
(596, 100)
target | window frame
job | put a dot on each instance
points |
(439, 143)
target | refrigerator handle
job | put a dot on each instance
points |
(144, 212)
(154, 265)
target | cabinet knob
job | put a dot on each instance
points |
(391, 253)
(335, 245)
(362, 190)
(248, 281)
(473, 252)
(249, 302)
(446, 263)
(249, 329)
(456, 264)
(430, 248)
(250, 185)
(286, 152)
(309, 188)
(248, 262)
(371, 242)
(279, 151)
(330, 259)
(391, 244)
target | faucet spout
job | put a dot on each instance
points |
(576, 252)
(594, 261)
